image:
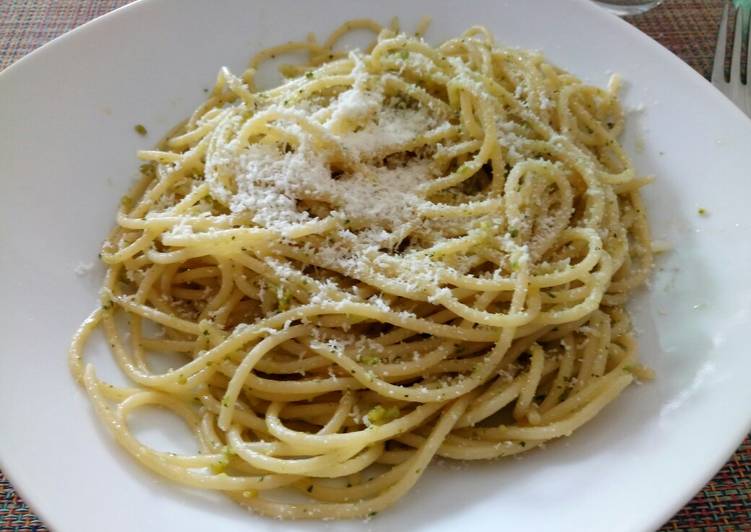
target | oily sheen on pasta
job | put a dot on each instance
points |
(394, 255)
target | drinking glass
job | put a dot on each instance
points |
(628, 7)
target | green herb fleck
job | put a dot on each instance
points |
(379, 415)
(309, 75)
(404, 54)
(140, 129)
(126, 202)
(370, 360)
(219, 467)
(702, 211)
(283, 299)
(513, 232)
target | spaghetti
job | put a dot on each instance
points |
(397, 254)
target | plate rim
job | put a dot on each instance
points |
(687, 493)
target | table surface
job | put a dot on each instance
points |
(686, 27)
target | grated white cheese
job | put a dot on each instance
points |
(392, 127)
(354, 105)
(271, 183)
(83, 268)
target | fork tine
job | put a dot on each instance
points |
(736, 90)
(735, 60)
(747, 29)
(746, 14)
(718, 67)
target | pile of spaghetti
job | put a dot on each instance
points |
(394, 255)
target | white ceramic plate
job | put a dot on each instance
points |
(67, 154)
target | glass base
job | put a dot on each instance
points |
(625, 9)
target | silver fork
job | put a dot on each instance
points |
(739, 93)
